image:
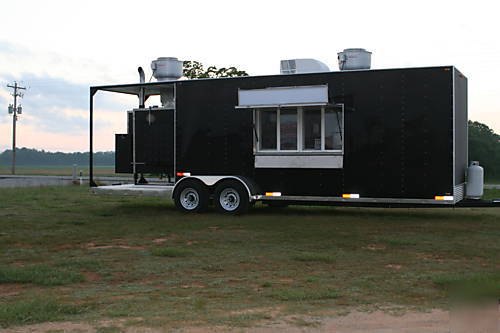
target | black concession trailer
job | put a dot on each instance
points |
(383, 138)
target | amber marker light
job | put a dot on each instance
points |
(443, 197)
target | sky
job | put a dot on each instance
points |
(57, 49)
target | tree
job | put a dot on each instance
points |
(196, 70)
(484, 146)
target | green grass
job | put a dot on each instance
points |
(41, 275)
(314, 257)
(170, 252)
(127, 258)
(492, 194)
(306, 294)
(36, 311)
(470, 284)
(395, 242)
(244, 319)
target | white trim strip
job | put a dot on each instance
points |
(278, 105)
(362, 200)
(283, 95)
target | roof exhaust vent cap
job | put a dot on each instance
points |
(351, 59)
(297, 66)
(167, 68)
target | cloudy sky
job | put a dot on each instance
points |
(59, 48)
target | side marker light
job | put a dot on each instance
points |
(443, 197)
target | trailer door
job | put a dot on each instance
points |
(154, 141)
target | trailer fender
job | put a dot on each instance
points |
(211, 181)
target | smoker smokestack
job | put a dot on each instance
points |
(142, 78)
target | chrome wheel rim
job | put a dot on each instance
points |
(229, 199)
(190, 199)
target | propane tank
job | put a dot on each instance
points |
(475, 181)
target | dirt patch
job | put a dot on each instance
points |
(165, 239)
(193, 285)
(429, 256)
(72, 327)
(63, 247)
(375, 247)
(91, 276)
(10, 289)
(271, 311)
(23, 246)
(93, 246)
(436, 321)
(160, 240)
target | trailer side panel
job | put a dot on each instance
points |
(398, 133)
(461, 127)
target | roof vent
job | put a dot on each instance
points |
(297, 66)
(167, 68)
(350, 59)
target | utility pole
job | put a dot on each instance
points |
(15, 110)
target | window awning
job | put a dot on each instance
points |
(283, 96)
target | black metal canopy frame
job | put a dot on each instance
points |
(148, 89)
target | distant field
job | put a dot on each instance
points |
(137, 262)
(58, 170)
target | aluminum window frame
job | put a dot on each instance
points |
(300, 131)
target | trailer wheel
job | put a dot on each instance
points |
(191, 196)
(231, 197)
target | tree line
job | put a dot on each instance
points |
(484, 146)
(34, 157)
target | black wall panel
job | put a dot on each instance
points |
(461, 127)
(398, 133)
(123, 153)
(154, 140)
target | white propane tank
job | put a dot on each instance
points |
(167, 68)
(350, 59)
(475, 181)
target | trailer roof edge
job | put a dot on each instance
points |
(116, 87)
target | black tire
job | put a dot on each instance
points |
(191, 196)
(231, 197)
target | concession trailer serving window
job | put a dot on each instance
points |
(295, 127)
(299, 129)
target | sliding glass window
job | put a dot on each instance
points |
(268, 129)
(288, 128)
(300, 129)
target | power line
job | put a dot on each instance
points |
(15, 110)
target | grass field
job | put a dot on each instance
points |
(48, 170)
(69, 255)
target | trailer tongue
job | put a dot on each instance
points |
(471, 203)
